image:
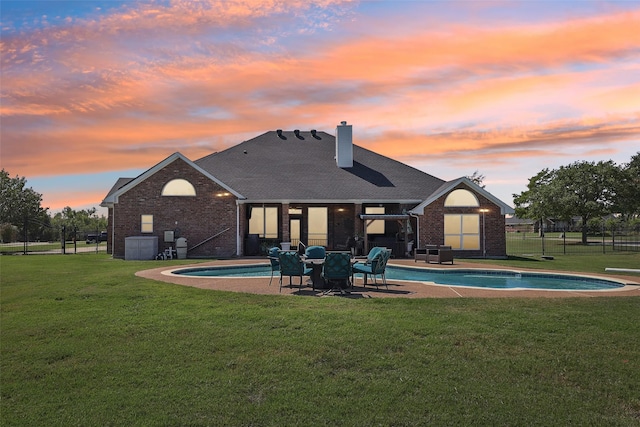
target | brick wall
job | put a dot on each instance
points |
(195, 218)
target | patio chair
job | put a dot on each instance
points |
(377, 267)
(440, 254)
(371, 255)
(315, 252)
(291, 265)
(274, 261)
(337, 267)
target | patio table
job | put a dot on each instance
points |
(316, 270)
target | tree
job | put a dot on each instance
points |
(536, 203)
(20, 206)
(79, 221)
(584, 189)
(477, 178)
(627, 201)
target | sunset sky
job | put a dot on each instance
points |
(96, 90)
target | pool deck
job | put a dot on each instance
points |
(397, 289)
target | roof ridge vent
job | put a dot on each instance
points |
(297, 133)
(314, 134)
(279, 131)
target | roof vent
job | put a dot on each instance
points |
(314, 134)
(280, 134)
(297, 132)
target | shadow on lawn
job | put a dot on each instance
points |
(355, 291)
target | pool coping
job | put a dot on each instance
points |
(397, 288)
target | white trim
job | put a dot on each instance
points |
(504, 208)
(330, 201)
(238, 241)
(113, 198)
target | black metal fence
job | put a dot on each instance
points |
(601, 238)
(55, 241)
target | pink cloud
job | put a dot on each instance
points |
(143, 82)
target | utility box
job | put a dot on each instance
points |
(181, 247)
(140, 248)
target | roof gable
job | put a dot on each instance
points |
(448, 186)
(125, 184)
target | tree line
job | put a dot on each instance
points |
(588, 190)
(22, 216)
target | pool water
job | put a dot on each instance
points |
(476, 278)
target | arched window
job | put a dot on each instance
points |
(462, 231)
(461, 197)
(178, 187)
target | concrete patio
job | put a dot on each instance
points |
(397, 289)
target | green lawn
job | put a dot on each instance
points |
(85, 342)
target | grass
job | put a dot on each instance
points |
(85, 342)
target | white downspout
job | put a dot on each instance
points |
(113, 230)
(238, 245)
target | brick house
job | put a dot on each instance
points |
(310, 187)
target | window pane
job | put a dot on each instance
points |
(294, 231)
(452, 224)
(470, 242)
(264, 222)
(178, 187)
(471, 224)
(271, 223)
(376, 226)
(461, 197)
(453, 241)
(318, 226)
(146, 224)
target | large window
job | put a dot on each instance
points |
(178, 187)
(318, 226)
(146, 223)
(375, 226)
(462, 231)
(264, 221)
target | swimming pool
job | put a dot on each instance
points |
(475, 278)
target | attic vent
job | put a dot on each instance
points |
(314, 134)
(297, 132)
(280, 134)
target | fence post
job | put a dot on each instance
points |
(564, 241)
(604, 242)
(613, 236)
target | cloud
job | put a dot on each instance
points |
(522, 142)
(130, 87)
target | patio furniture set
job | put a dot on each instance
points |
(334, 270)
(434, 254)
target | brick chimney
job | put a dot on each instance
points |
(344, 145)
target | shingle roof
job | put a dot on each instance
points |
(269, 168)
(121, 182)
